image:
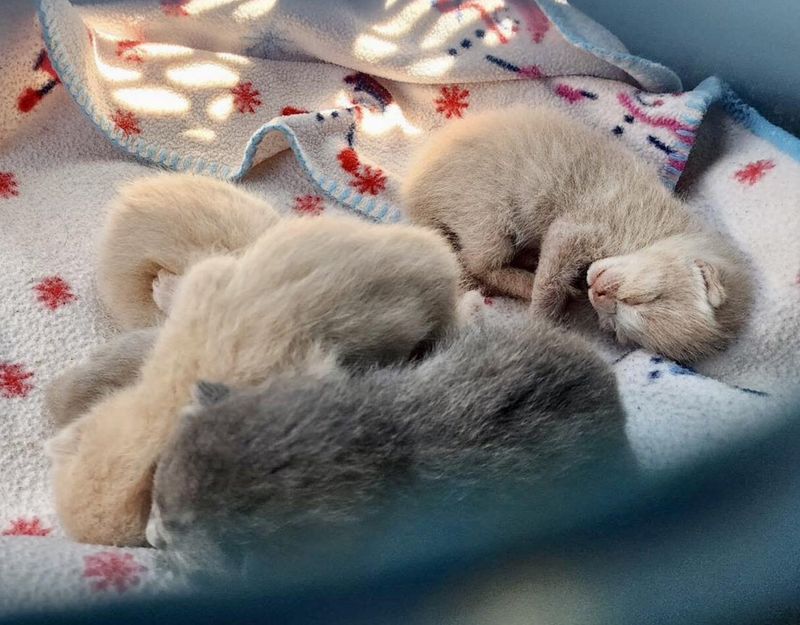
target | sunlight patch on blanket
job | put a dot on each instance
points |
(254, 8)
(164, 49)
(405, 20)
(205, 135)
(379, 123)
(203, 75)
(115, 74)
(237, 59)
(152, 100)
(446, 26)
(434, 66)
(369, 46)
(220, 108)
(195, 7)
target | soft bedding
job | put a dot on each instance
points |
(317, 108)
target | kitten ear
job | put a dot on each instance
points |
(209, 393)
(64, 443)
(714, 289)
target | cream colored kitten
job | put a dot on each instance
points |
(158, 226)
(532, 182)
(307, 292)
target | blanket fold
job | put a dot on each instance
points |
(217, 87)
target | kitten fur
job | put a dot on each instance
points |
(108, 368)
(548, 186)
(307, 292)
(524, 402)
(161, 225)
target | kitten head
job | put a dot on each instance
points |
(684, 297)
(170, 480)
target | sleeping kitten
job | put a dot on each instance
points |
(545, 185)
(158, 226)
(306, 293)
(524, 403)
(107, 368)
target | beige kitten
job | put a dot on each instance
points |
(307, 292)
(525, 182)
(160, 225)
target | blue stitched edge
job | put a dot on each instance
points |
(715, 90)
(659, 77)
(706, 93)
(159, 155)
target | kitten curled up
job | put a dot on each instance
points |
(523, 403)
(307, 293)
(157, 227)
(522, 182)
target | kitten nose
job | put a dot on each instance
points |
(603, 295)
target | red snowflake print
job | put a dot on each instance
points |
(369, 180)
(126, 122)
(309, 205)
(291, 110)
(25, 527)
(452, 102)
(54, 292)
(8, 185)
(753, 172)
(126, 50)
(174, 8)
(245, 97)
(14, 380)
(112, 570)
(365, 178)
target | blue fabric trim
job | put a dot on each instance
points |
(565, 18)
(145, 152)
(652, 76)
(714, 89)
(350, 199)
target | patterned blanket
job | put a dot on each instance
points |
(317, 107)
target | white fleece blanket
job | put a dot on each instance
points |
(319, 107)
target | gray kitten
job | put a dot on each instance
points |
(524, 403)
(108, 368)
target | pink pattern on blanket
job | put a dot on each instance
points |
(109, 569)
(54, 292)
(25, 527)
(657, 121)
(14, 380)
(535, 20)
(753, 172)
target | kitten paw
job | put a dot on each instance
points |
(164, 286)
(470, 307)
(549, 301)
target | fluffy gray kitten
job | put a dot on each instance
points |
(265, 468)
